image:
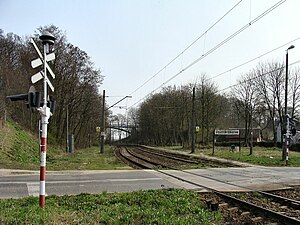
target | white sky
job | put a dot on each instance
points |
(131, 40)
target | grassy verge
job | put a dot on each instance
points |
(261, 156)
(20, 150)
(86, 159)
(168, 206)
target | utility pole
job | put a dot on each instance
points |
(286, 136)
(203, 111)
(103, 124)
(251, 137)
(67, 139)
(193, 121)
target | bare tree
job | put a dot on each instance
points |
(270, 86)
(76, 85)
(207, 107)
(246, 97)
(294, 92)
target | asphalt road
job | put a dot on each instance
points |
(16, 184)
(72, 182)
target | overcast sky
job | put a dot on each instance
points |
(131, 40)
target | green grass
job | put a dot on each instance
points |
(86, 159)
(261, 156)
(169, 206)
(19, 149)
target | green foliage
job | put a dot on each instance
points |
(169, 206)
(83, 102)
(165, 117)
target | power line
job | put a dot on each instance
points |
(251, 60)
(260, 75)
(190, 45)
(216, 47)
(252, 78)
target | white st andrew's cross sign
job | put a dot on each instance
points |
(39, 61)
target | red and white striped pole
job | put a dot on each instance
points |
(47, 39)
(45, 112)
(45, 117)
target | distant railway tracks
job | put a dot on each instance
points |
(145, 158)
(250, 207)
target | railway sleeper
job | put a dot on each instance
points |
(236, 208)
(158, 161)
(153, 164)
(268, 214)
(257, 219)
(169, 155)
(136, 161)
(175, 155)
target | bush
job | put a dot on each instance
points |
(295, 147)
(267, 144)
(227, 144)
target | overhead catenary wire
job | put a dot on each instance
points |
(253, 78)
(239, 83)
(189, 46)
(260, 75)
(250, 79)
(253, 59)
(214, 48)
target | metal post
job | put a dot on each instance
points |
(285, 148)
(251, 142)
(67, 138)
(213, 152)
(240, 150)
(251, 134)
(126, 124)
(40, 135)
(286, 81)
(103, 124)
(47, 40)
(45, 114)
(193, 122)
(110, 132)
(287, 140)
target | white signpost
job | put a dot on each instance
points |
(47, 39)
(225, 133)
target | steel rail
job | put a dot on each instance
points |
(144, 165)
(169, 156)
(283, 218)
(253, 207)
(286, 201)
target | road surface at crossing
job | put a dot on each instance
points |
(18, 183)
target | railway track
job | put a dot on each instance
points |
(285, 211)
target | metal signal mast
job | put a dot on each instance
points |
(45, 110)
